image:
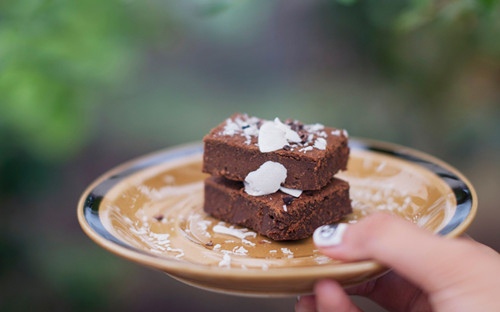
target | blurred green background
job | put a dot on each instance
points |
(86, 85)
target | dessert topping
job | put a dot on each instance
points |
(274, 135)
(289, 191)
(320, 144)
(288, 200)
(265, 180)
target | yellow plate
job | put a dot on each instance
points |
(149, 211)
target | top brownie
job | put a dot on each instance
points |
(311, 154)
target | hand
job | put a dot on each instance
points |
(429, 272)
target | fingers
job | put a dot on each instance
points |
(306, 304)
(416, 254)
(390, 240)
(393, 293)
(330, 296)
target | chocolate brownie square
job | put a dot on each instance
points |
(278, 216)
(311, 154)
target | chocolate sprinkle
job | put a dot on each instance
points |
(158, 217)
(288, 200)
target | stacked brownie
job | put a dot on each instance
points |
(276, 178)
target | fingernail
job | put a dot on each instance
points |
(329, 235)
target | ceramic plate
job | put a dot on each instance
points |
(149, 211)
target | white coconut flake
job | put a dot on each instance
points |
(271, 138)
(244, 126)
(239, 233)
(226, 261)
(314, 127)
(230, 128)
(287, 252)
(306, 149)
(265, 180)
(240, 250)
(322, 134)
(381, 167)
(273, 135)
(285, 208)
(290, 135)
(247, 242)
(336, 132)
(289, 191)
(322, 259)
(251, 130)
(320, 144)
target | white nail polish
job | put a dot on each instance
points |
(329, 235)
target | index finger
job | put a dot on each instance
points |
(418, 255)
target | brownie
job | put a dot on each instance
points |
(232, 150)
(278, 216)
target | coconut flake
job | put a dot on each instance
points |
(320, 143)
(336, 132)
(226, 261)
(287, 252)
(289, 191)
(265, 180)
(306, 149)
(240, 250)
(230, 128)
(314, 127)
(273, 135)
(239, 233)
(290, 135)
(271, 138)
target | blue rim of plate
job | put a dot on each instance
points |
(462, 189)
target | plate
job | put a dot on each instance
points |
(149, 211)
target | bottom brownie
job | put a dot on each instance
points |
(278, 216)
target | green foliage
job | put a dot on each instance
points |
(56, 56)
(347, 2)
(421, 12)
(418, 13)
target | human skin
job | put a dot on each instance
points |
(429, 272)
